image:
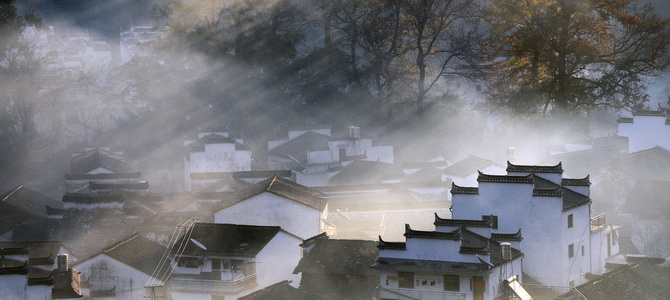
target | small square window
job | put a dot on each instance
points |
(452, 283)
(406, 280)
(571, 251)
(570, 216)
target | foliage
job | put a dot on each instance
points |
(566, 57)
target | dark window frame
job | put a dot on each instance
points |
(452, 283)
(405, 280)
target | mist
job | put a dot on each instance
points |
(259, 70)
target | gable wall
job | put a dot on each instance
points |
(105, 272)
(268, 209)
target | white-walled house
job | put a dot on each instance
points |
(560, 235)
(315, 155)
(460, 259)
(297, 209)
(227, 261)
(464, 172)
(36, 270)
(99, 165)
(122, 270)
(215, 151)
(646, 130)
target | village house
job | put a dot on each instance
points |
(227, 261)
(465, 171)
(640, 278)
(365, 211)
(36, 270)
(646, 129)
(121, 270)
(315, 155)
(215, 150)
(24, 215)
(460, 259)
(554, 214)
(297, 209)
(99, 165)
(338, 269)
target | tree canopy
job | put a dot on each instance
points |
(564, 57)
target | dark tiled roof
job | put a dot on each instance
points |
(456, 189)
(28, 201)
(280, 291)
(15, 270)
(576, 181)
(103, 176)
(424, 175)
(650, 164)
(138, 252)
(623, 283)
(98, 158)
(468, 166)
(649, 113)
(624, 120)
(228, 239)
(143, 185)
(534, 169)
(345, 257)
(39, 251)
(507, 237)
(546, 188)
(87, 199)
(366, 172)
(486, 221)
(384, 245)
(298, 147)
(449, 267)
(278, 186)
(505, 178)
(411, 233)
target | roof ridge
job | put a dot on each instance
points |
(121, 243)
(16, 189)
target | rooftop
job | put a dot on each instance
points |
(227, 239)
(280, 187)
(333, 256)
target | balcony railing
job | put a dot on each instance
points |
(407, 294)
(212, 286)
(598, 221)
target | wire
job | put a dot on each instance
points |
(162, 260)
(179, 252)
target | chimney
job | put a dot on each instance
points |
(62, 262)
(506, 251)
(354, 132)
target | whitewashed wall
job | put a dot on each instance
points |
(646, 132)
(268, 209)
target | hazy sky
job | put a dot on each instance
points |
(105, 17)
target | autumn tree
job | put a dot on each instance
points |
(18, 88)
(444, 38)
(564, 57)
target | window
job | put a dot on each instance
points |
(614, 236)
(571, 251)
(188, 262)
(451, 283)
(582, 250)
(406, 280)
(570, 216)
